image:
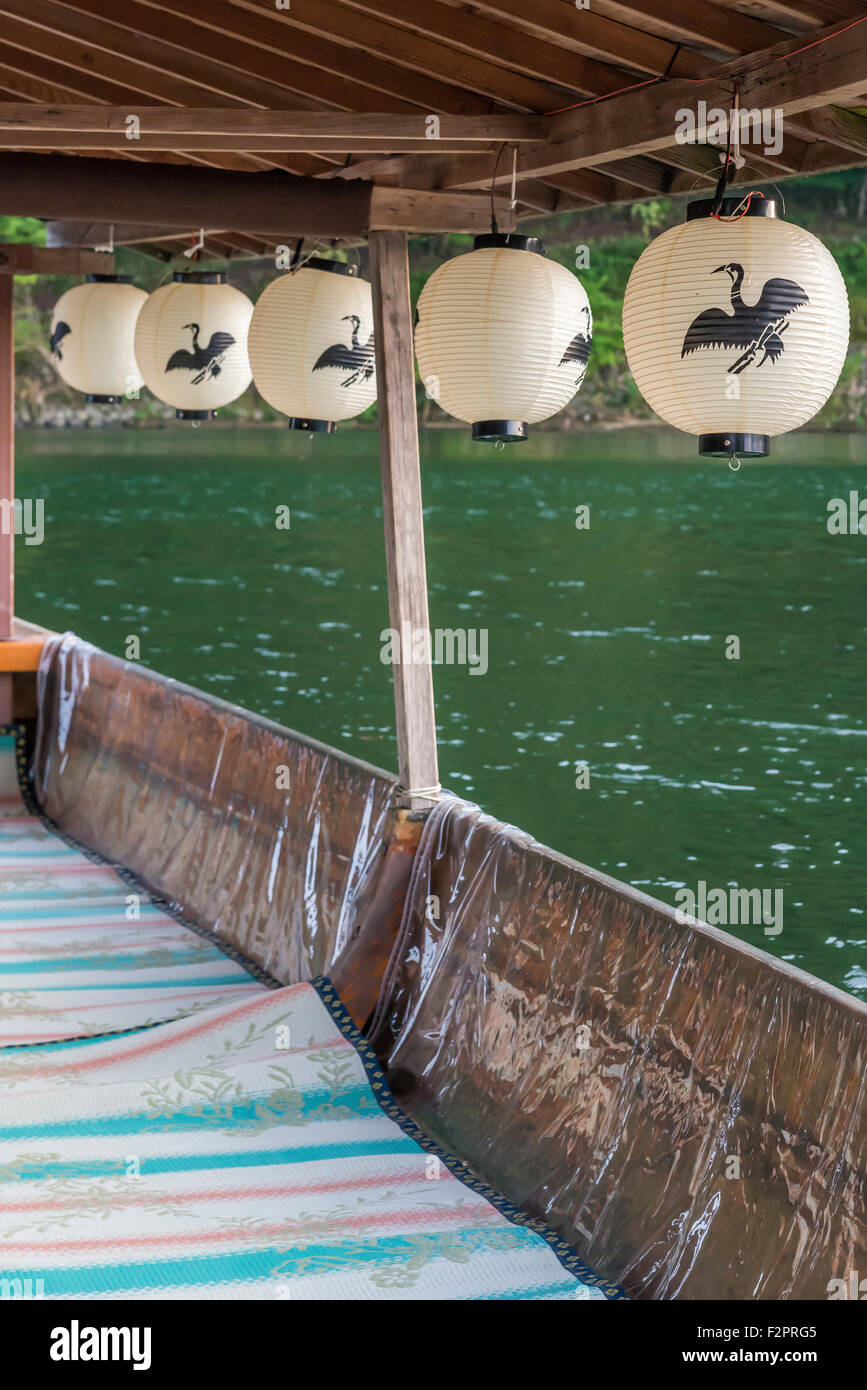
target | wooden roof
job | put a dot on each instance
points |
(580, 104)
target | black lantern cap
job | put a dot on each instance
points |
(312, 426)
(501, 431)
(757, 207)
(723, 446)
(102, 400)
(109, 279)
(511, 240)
(199, 277)
(195, 414)
(337, 267)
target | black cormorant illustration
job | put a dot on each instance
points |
(358, 359)
(60, 332)
(754, 327)
(205, 361)
(579, 348)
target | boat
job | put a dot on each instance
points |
(281, 1023)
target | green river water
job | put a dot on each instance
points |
(606, 645)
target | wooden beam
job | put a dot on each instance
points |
(845, 129)
(165, 195)
(266, 205)
(25, 259)
(7, 481)
(402, 512)
(244, 144)
(272, 124)
(423, 210)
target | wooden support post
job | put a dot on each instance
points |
(402, 509)
(7, 480)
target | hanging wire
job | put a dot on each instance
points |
(192, 253)
(494, 224)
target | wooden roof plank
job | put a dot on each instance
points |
(595, 35)
(698, 22)
(413, 50)
(545, 48)
(321, 63)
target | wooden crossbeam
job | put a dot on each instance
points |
(262, 205)
(22, 258)
(251, 123)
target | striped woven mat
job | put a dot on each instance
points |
(234, 1141)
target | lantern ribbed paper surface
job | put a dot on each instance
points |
(92, 335)
(503, 335)
(191, 343)
(311, 344)
(736, 328)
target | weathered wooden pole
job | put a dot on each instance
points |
(402, 511)
(7, 481)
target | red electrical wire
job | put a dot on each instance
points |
(736, 216)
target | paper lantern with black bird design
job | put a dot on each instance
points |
(311, 345)
(92, 337)
(736, 325)
(503, 336)
(191, 343)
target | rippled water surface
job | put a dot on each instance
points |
(606, 646)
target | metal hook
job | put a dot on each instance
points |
(734, 463)
(499, 445)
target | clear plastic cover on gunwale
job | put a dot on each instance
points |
(685, 1110)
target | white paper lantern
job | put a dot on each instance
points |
(735, 329)
(92, 337)
(191, 343)
(311, 345)
(503, 336)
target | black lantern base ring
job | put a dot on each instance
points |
(195, 414)
(313, 426)
(103, 400)
(723, 446)
(501, 431)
